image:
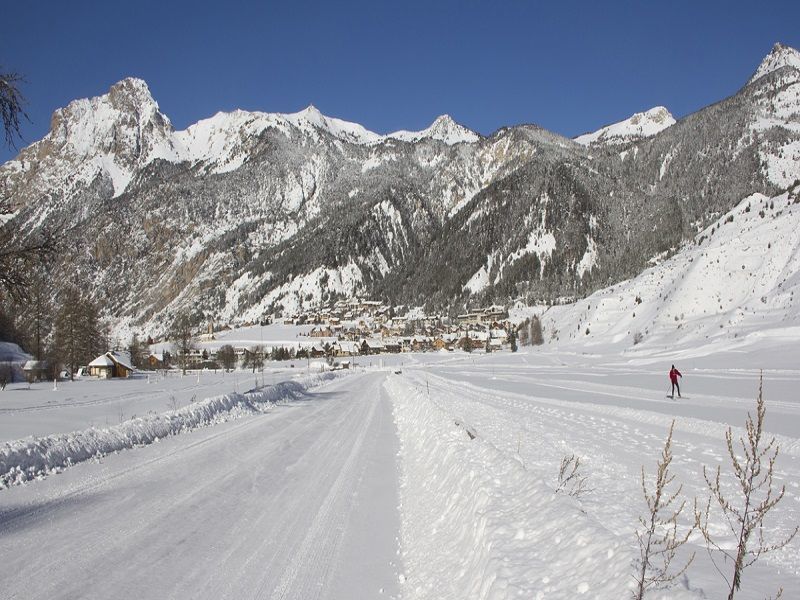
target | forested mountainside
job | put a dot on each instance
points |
(247, 214)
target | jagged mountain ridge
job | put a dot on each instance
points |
(245, 213)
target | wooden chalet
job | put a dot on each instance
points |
(111, 364)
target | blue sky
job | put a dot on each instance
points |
(569, 66)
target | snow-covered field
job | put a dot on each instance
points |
(368, 483)
(43, 408)
(425, 476)
(505, 533)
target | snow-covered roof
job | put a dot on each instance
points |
(122, 358)
(102, 361)
(347, 346)
(109, 359)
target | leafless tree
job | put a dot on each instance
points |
(6, 374)
(77, 337)
(20, 258)
(537, 336)
(658, 537)
(227, 356)
(746, 510)
(184, 340)
(257, 357)
(11, 105)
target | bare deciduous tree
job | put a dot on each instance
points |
(11, 106)
(20, 258)
(745, 511)
(537, 336)
(184, 340)
(77, 337)
(227, 356)
(658, 537)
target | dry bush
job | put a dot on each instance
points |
(658, 537)
(571, 480)
(744, 511)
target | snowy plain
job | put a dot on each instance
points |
(408, 506)
(428, 476)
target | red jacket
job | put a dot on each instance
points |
(674, 374)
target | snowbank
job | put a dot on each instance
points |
(29, 458)
(476, 524)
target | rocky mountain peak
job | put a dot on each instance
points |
(131, 91)
(639, 125)
(312, 114)
(445, 129)
(780, 56)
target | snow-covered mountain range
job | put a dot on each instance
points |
(248, 213)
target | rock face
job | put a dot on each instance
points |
(246, 213)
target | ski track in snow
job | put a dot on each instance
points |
(258, 508)
(614, 442)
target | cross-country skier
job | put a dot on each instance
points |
(673, 377)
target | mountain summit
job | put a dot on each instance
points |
(639, 126)
(780, 56)
(443, 129)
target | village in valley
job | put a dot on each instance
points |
(337, 334)
(347, 329)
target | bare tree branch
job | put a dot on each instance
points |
(746, 511)
(11, 106)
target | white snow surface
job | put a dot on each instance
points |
(444, 129)
(780, 56)
(26, 459)
(640, 125)
(311, 498)
(738, 282)
(297, 502)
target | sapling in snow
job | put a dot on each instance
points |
(746, 510)
(657, 535)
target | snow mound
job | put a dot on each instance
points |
(31, 458)
(640, 125)
(476, 524)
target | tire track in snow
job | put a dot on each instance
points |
(319, 547)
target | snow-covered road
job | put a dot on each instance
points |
(300, 502)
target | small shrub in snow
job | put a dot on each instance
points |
(658, 537)
(745, 511)
(638, 337)
(571, 480)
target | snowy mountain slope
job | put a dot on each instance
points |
(640, 125)
(780, 56)
(251, 213)
(444, 129)
(739, 280)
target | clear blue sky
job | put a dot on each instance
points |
(569, 66)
